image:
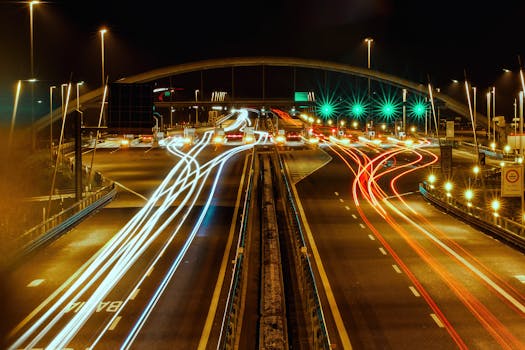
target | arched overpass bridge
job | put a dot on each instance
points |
(95, 96)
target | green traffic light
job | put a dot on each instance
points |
(326, 110)
(388, 107)
(357, 110)
(418, 108)
(388, 110)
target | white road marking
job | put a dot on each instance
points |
(354, 216)
(414, 291)
(396, 268)
(150, 271)
(35, 283)
(362, 226)
(437, 320)
(372, 238)
(464, 261)
(114, 323)
(520, 278)
(341, 200)
(336, 193)
(134, 294)
(382, 250)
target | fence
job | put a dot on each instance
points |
(498, 226)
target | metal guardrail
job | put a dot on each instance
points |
(500, 227)
(317, 333)
(230, 324)
(58, 224)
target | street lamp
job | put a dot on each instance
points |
(196, 108)
(51, 88)
(78, 103)
(102, 32)
(494, 112)
(369, 43)
(62, 87)
(31, 4)
(488, 115)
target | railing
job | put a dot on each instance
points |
(317, 332)
(58, 224)
(500, 227)
(230, 324)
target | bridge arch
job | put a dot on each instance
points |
(448, 102)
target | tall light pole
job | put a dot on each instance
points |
(31, 4)
(102, 32)
(494, 112)
(51, 88)
(369, 43)
(196, 108)
(474, 93)
(488, 115)
(404, 112)
(78, 102)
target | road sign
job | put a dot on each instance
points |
(512, 181)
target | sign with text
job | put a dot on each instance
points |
(512, 181)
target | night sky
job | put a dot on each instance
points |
(412, 39)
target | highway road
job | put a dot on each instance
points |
(398, 273)
(139, 270)
(151, 269)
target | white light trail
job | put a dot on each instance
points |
(184, 183)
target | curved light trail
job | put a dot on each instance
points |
(368, 173)
(101, 274)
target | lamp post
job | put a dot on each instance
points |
(404, 112)
(196, 109)
(64, 85)
(369, 43)
(51, 88)
(494, 112)
(474, 93)
(78, 103)
(31, 4)
(102, 32)
(488, 116)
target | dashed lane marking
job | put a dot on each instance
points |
(382, 250)
(134, 294)
(372, 238)
(437, 320)
(414, 291)
(114, 323)
(396, 268)
(35, 283)
(149, 271)
(336, 193)
(362, 226)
